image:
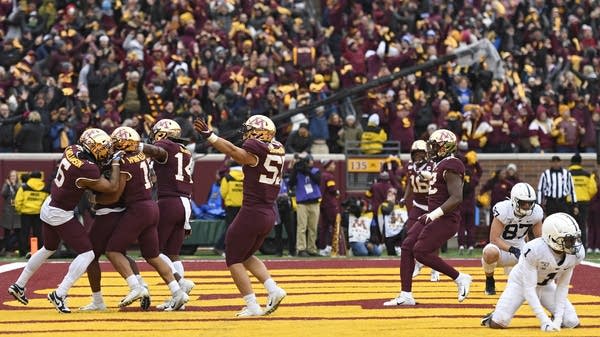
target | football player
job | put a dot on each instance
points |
(417, 188)
(139, 222)
(542, 277)
(107, 217)
(513, 220)
(262, 158)
(77, 171)
(427, 235)
(173, 167)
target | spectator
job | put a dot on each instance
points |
(305, 179)
(11, 221)
(334, 124)
(359, 234)
(466, 230)
(585, 189)
(7, 126)
(30, 137)
(28, 202)
(555, 185)
(319, 132)
(61, 134)
(377, 193)
(511, 174)
(373, 137)
(299, 141)
(350, 132)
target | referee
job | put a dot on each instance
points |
(556, 183)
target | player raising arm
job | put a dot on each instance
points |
(262, 158)
(513, 220)
(542, 277)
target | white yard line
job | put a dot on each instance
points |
(11, 266)
(591, 264)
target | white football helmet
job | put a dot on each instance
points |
(126, 139)
(97, 143)
(441, 144)
(522, 199)
(165, 128)
(561, 232)
(259, 127)
(418, 145)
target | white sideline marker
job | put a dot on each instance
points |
(12, 266)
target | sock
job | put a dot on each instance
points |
(97, 297)
(76, 269)
(251, 303)
(488, 268)
(270, 285)
(178, 266)
(141, 280)
(406, 294)
(168, 262)
(132, 282)
(34, 263)
(491, 277)
(174, 287)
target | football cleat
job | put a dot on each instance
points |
(435, 275)
(247, 312)
(145, 301)
(186, 285)
(463, 282)
(417, 271)
(490, 286)
(177, 301)
(60, 303)
(400, 300)
(134, 295)
(125, 139)
(487, 319)
(273, 301)
(94, 307)
(165, 128)
(18, 293)
(97, 143)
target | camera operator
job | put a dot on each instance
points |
(306, 180)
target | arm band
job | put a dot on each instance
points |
(212, 138)
(436, 213)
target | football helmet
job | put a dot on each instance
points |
(97, 143)
(441, 144)
(259, 127)
(125, 139)
(522, 199)
(561, 232)
(418, 145)
(165, 128)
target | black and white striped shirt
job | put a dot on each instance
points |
(556, 184)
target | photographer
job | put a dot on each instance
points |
(306, 180)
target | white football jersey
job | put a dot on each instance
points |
(515, 228)
(538, 254)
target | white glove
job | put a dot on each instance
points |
(425, 175)
(549, 326)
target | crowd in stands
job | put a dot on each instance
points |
(69, 65)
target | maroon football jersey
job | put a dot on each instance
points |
(438, 190)
(139, 186)
(261, 182)
(174, 175)
(420, 188)
(74, 166)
